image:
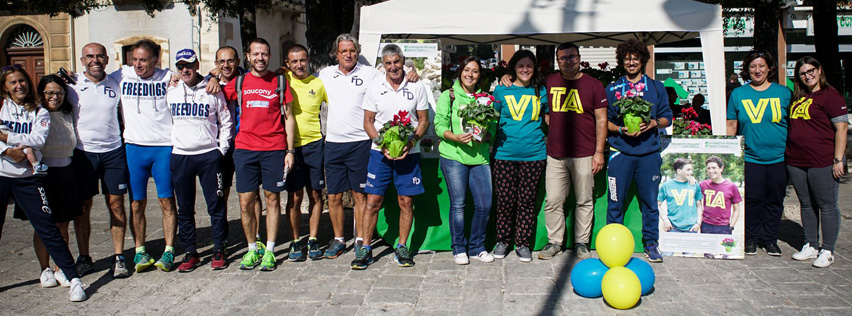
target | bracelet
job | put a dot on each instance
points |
(621, 130)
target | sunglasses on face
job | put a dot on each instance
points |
(182, 66)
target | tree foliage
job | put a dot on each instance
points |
(75, 8)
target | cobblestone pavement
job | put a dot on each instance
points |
(435, 286)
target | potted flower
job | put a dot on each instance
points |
(687, 126)
(477, 115)
(729, 243)
(395, 134)
(634, 109)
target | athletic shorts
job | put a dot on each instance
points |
(307, 169)
(346, 166)
(256, 167)
(227, 166)
(108, 167)
(144, 162)
(405, 175)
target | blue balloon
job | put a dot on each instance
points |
(586, 277)
(645, 273)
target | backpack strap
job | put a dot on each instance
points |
(282, 85)
(239, 86)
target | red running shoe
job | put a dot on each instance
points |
(218, 262)
(190, 262)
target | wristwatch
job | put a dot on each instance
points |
(837, 160)
(290, 151)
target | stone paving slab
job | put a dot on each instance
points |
(758, 285)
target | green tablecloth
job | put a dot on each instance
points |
(431, 230)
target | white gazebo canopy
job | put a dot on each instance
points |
(551, 22)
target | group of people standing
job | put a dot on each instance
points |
(801, 136)
(264, 127)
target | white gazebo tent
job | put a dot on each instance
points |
(551, 22)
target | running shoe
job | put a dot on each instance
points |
(297, 253)
(750, 248)
(335, 249)
(47, 278)
(119, 267)
(363, 258)
(61, 279)
(807, 252)
(250, 260)
(314, 253)
(653, 253)
(582, 251)
(268, 262)
(142, 261)
(166, 262)
(84, 265)
(190, 262)
(772, 249)
(261, 247)
(77, 293)
(824, 259)
(549, 251)
(218, 262)
(403, 257)
(523, 253)
(500, 250)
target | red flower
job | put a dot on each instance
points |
(603, 65)
(585, 64)
(631, 93)
(502, 64)
(618, 95)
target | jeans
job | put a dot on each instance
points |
(459, 177)
(817, 191)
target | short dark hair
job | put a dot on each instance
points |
(258, 40)
(632, 47)
(148, 45)
(536, 80)
(680, 162)
(65, 107)
(719, 162)
(752, 56)
(296, 48)
(568, 45)
(463, 63)
(227, 47)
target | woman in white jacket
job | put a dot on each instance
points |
(28, 124)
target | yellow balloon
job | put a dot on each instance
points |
(614, 244)
(621, 288)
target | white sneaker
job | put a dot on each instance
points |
(461, 258)
(824, 259)
(485, 257)
(47, 279)
(807, 252)
(77, 293)
(60, 277)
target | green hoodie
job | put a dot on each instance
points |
(472, 153)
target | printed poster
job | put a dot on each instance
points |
(701, 197)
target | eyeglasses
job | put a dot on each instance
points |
(226, 61)
(51, 94)
(629, 59)
(182, 66)
(98, 56)
(565, 59)
(10, 67)
(808, 73)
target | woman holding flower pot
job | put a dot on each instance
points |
(519, 154)
(814, 156)
(758, 111)
(465, 163)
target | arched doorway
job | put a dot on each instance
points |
(24, 46)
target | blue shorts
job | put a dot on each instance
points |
(144, 162)
(346, 166)
(109, 167)
(256, 167)
(307, 169)
(404, 173)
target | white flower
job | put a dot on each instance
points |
(483, 101)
